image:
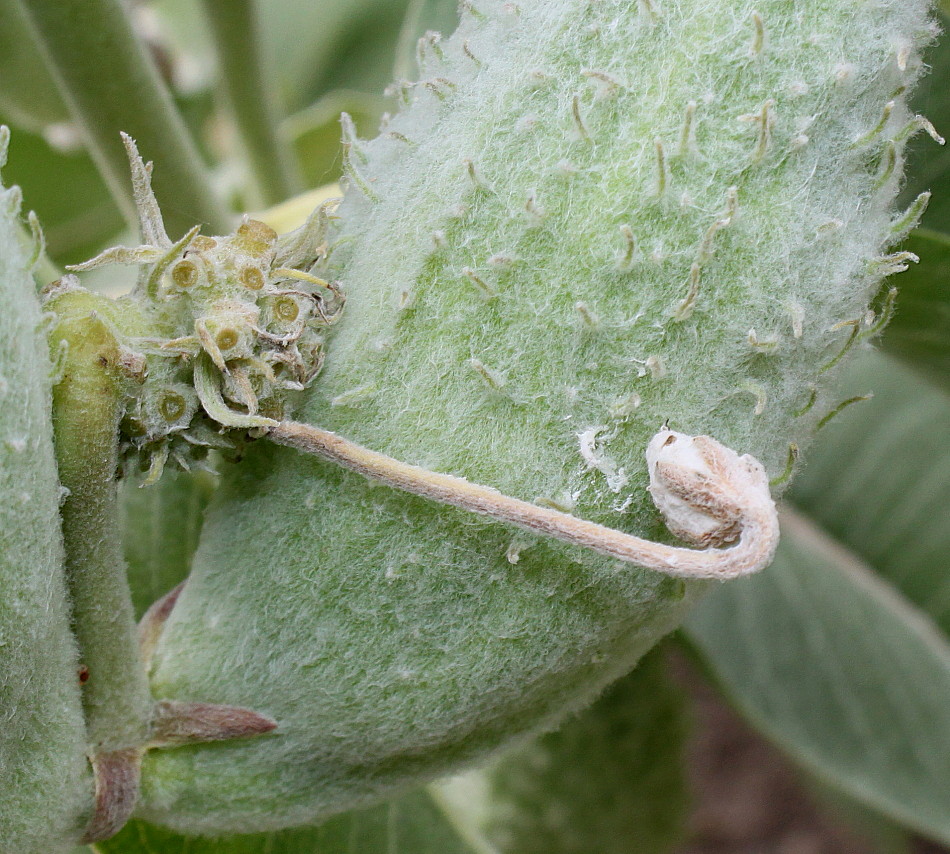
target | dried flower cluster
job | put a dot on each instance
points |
(217, 333)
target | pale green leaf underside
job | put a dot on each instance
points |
(413, 824)
(160, 528)
(827, 661)
(879, 480)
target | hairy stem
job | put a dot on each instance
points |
(251, 95)
(110, 84)
(116, 698)
(757, 519)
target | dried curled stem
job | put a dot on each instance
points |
(708, 495)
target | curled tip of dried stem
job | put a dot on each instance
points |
(708, 494)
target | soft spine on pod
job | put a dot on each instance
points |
(591, 217)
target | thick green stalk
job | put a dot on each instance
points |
(111, 85)
(86, 407)
(250, 93)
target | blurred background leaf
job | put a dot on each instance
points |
(314, 132)
(879, 483)
(160, 529)
(340, 59)
(66, 191)
(838, 653)
(29, 98)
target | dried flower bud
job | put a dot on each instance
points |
(249, 300)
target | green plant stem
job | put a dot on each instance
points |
(250, 93)
(110, 84)
(86, 411)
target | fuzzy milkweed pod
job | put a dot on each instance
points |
(43, 737)
(589, 218)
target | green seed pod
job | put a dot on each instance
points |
(611, 214)
(43, 737)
